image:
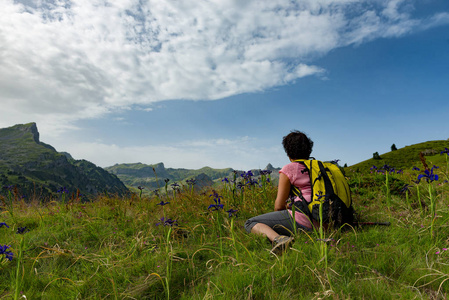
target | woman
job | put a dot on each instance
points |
(277, 226)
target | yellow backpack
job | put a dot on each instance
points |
(329, 189)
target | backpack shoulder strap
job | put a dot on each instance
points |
(327, 181)
(295, 191)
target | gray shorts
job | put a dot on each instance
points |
(280, 221)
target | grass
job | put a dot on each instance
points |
(112, 248)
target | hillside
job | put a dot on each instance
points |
(36, 168)
(408, 156)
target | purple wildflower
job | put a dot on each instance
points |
(191, 181)
(241, 186)
(22, 230)
(405, 188)
(162, 203)
(319, 195)
(232, 212)
(217, 200)
(4, 250)
(63, 190)
(4, 224)
(265, 172)
(252, 182)
(428, 176)
(247, 174)
(167, 222)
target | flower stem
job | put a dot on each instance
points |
(19, 262)
(168, 264)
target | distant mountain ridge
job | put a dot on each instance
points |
(36, 168)
(153, 176)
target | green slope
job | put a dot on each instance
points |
(409, 156)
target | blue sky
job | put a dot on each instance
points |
(219, 83)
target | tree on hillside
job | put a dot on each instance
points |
(393, 147)
(376, 155)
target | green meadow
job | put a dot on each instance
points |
(184, 243)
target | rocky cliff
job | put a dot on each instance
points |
(36, 168)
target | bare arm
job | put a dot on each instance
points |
(283, 192)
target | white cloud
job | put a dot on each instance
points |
(63, 61)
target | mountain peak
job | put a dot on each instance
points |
(22, 130)
(33, 129)
(270, 167)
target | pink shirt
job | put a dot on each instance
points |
(302, 181)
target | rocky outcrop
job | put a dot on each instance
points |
(37, 168)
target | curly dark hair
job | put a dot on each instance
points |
(297, 145)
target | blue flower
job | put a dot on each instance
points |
(416, 169)
(191, 181)
(265, 172)
(445, 151)
(405, 188)
(225, 180)
(162, 203)
(140, 187)
(335, 161)
(319, 195)
(232, 212)
(241, 186)
(247, 175)
(167, 222)
(4, 224)
(217, 200)
(7, 253)
(22, 230)
(373, 167)
(63, 190)
(428, 176)
(252, 182)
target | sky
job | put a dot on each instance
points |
(218, 83)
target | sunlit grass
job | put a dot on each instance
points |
(121, 248)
